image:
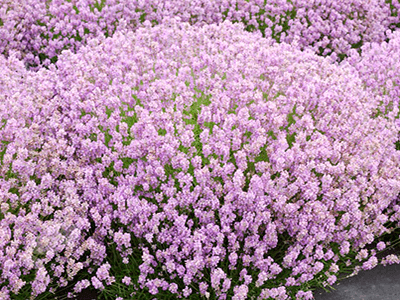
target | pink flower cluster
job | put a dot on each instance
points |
(40, 30)
(202, 146)
(379, 69)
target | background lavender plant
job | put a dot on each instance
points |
(193, 161)
(40, 30)
(378, 69)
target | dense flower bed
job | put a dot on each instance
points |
(216, 162)
(379, 69)
(39, 30)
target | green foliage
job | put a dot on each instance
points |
(193, 112)
(98, 5)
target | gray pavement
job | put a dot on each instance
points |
(380, 283)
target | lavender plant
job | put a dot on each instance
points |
(186, 162)
(40, 30)
(378, 69)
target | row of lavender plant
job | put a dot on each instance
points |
(40, 30)
(189, 161)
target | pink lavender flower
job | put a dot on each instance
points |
(304, 295)
(97, 284)
(371, 263)
(380, 246)
(126, 280)
(331, 279)
(240, 292)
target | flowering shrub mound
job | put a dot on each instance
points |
(335, 27)
(40, 30)
(379, 69)
(197, 153)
